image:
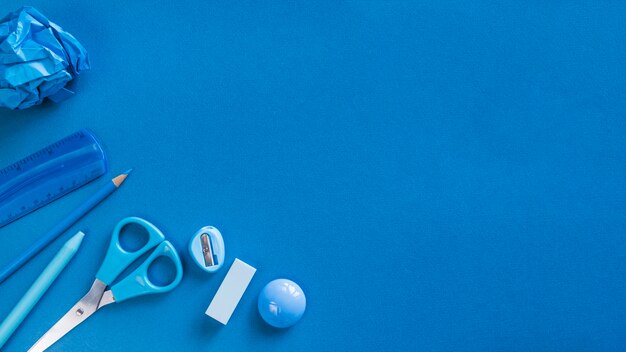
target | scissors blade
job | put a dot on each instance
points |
(76, 315)
(107, 298)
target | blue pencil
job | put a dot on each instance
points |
(62, 226)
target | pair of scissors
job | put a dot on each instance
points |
(135, 284)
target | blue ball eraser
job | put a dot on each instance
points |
(282, 303)
(207, 250)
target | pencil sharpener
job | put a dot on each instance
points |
(207, 249)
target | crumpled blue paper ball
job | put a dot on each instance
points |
(37, 60)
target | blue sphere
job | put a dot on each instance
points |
(282, 303)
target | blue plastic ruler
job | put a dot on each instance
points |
(50, 173)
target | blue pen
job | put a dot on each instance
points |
(62, 226)
(39, 287)
(117, 261)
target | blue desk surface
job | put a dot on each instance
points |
(438, 176)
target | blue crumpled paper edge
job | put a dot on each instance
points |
(65, 58)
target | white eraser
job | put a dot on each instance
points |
(232, 288)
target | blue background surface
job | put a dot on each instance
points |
(437, 176)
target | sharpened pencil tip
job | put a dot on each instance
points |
(128, 171)
(120, 178)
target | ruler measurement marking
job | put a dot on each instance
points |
(50, 149)
(25, 209)
(22, 204)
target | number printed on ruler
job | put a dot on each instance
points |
(49, 173)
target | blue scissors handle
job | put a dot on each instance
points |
(117, 258)
(138, 283)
